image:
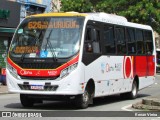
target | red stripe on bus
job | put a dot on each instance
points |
(42, 72)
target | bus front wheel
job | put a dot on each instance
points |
(26, 101)
(82, 101)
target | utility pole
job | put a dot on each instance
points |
(55, 5)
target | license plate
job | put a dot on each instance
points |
(37, 87)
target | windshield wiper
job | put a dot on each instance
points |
(22, 57)
(51, 47)
(24, 54)
(52, 51)
(34, 40)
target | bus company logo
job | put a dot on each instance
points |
(38, 60)
(107, 67)
(6, 114)
(38, 73)
(52, 72)
(25, 72)
(118, 66)
(102, 67)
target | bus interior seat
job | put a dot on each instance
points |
(96, 48)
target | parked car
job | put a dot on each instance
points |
(158, 60)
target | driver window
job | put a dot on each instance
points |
(88, 41)
(92, 39)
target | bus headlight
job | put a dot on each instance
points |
(12, 70)
(68, 70)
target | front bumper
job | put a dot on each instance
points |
(55, 87)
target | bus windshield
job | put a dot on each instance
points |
(47, 37)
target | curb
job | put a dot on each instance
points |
(1, 93)
(146, 107)
(148, 104)
(3, 89)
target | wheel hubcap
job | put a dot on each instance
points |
(85, 97)
(134, 91)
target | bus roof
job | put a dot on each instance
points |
(115, 19)
(101, 17)
(59, 14)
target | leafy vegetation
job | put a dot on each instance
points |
(139, 11)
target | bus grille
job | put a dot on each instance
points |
(46, 88)
(38, 65)
(38, 78)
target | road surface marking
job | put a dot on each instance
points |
(125, 108)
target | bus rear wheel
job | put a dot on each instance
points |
(133, 93)
(26, 101)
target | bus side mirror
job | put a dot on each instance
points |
(20, 31)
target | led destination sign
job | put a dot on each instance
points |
(52, 24)
(26, 49)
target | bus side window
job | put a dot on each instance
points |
(88, 41)
(109, 41)
(121, 42)
(140, 42)
(130, 34)
(148, 42)
(92, 41)
(96, 40)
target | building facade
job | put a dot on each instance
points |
(12, 12)
(9, 19)
(157, 40)
(29, 7)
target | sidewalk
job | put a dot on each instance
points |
(3, 89)
(148, 104)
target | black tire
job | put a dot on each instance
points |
(132, 94)
(82, 101)
(25, 101)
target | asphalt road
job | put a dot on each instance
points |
(10, 102)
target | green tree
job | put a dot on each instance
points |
(144, 12)
(139, 11)
(76, 5)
